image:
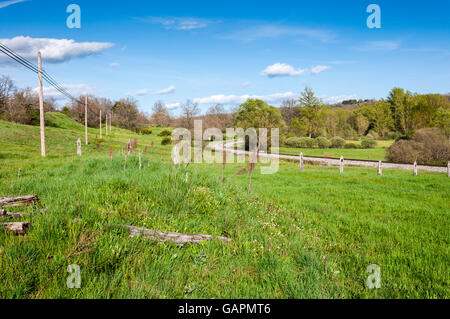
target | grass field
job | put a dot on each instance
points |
(376, 154)
(297, 235)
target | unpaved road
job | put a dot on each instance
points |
(230, 147)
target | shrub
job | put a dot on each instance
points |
(351, 146)
(429, 146)
(323, 142)
(165, 133)
(294, 142)
(337, 142)
(146, 131)
(369, 143)
(306, 142)
(166, 141)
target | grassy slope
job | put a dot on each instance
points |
(308, 235)
(376, 154)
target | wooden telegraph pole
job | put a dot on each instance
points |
(86, 120)
(41, 106)
(100, 123)
(106, 124)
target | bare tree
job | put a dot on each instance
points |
(189, 111)
(160, 114)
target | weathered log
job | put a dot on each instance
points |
(18, 201)
(16, 228)
(5, 215)
(177, 238)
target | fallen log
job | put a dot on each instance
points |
(18, 201)
(5, 215)
(177, 238)
(16, 228)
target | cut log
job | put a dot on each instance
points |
(18, 201)
(177, 238)
(16, 228)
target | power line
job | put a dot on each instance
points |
(24, 62)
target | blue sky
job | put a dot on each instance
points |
(223, 52)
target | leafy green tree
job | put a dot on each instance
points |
(310, 107)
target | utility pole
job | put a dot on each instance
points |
(41, 106)
(86, 119)
(100, 123)
(106, 124)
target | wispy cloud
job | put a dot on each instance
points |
(5, 4)
(114, 65)
(53, 50)
(238, 99)
(245, 84)
(168, 90)
(140, 92)
(379, 46)
(172, 106)
(319, 69)
(178, 23)
(338, 98)
(272, 31)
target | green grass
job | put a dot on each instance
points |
(297, 235)
(376, 154)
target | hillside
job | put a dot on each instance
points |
(297, 235)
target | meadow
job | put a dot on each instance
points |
(376, 154)
(296, 235)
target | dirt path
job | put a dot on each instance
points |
(229, 147)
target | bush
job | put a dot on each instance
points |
(369, 143)
(429, 146)
(337, 142)
(351, 146)
(146, 131)
(323, 142)
(293, 142)
(165, 133)
(306, 142)
(166, 141)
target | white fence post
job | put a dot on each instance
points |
(380, 168)
(341, 169)
(301, 162)
(416, 169)
(79, 147)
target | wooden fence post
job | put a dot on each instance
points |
(380, 168)
(341, 168)
(301, 162)
(416, 169)
(41, 106)
(79, 147)
(140, 160)
(106, 124)
(448, 169)
(100, 124)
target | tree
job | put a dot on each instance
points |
(127, 114)
(189, 111)
(383, 118)
(7, 88)
(309, 110)
(289, 110)
(160, 114)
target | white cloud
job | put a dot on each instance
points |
(74, 89)
(141, 92)
(168, 90)
(319, 69)
(245, 84)
(338, 99)
(272, 31)
(53, 50)
(178, 23)
(5, 4)
(281, 69)
(235, 99)
(173, 105)
(379, 46)
(114, 65)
